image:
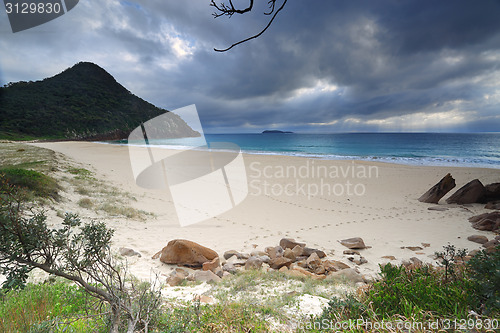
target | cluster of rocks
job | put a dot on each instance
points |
(489, 245)
(472, 192)
(294, 258)
(486, 221)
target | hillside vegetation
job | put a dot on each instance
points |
(82, 102)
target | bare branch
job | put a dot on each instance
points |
(223, 9)
(272, 7)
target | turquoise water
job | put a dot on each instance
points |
(461, 149)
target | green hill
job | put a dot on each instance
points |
(83, 102)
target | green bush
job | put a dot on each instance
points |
(484, 269)
(46, 307)
(338, 311)
(32, 181)
(414, 292)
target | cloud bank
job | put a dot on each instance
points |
(323, 66)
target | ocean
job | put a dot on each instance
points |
(444, 149)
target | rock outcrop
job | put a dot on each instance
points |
(486, 221)
(435, 193)
(471, 192)
(291, 257)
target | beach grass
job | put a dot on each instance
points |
(30, 168)
(44, 173)
(100, 196)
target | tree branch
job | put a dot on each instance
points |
(229, 11)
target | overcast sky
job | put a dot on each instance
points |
(323, 66)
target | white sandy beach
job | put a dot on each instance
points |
(379, 203)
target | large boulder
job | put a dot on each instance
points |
(471, 192)
(186, 253)
(435, 193)
(353, 243)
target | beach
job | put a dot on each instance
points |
(318, 202)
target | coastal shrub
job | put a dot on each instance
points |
(413, 292)
(449, 259)
(484, 269)
(32, 181)
(75, 251)
(44, 306)
(339, 309)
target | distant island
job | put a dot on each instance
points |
(276, 132)
(83, 102)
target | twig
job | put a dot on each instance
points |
(230, 11)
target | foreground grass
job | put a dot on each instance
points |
(49, 307)
(404, 300)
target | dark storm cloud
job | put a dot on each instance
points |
(322, 66)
